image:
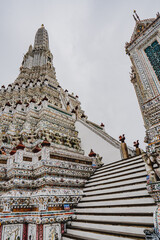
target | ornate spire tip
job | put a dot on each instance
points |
(135, 16)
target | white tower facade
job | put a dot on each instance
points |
(144, 52)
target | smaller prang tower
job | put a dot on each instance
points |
(144, 52)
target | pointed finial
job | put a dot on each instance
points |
(42, 25)
(136, 16)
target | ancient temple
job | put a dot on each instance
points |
(144, 52)
(44, 163)
(54, 183)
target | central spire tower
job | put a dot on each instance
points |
(41, 39)
(38, 61)
(43, 167)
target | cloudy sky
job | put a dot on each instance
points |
(87, 39)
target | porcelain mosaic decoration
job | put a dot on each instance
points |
(42, 166)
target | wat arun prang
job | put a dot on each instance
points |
(42, 165)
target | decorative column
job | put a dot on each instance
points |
(39, 233)
(25, 231)
(19, 153)
(136, 145)
(76, 109)
(73, 114)
(124, 148)
(1, 227)
(36, 149)
(45, 150)
(68, 107)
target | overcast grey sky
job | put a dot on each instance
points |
(87, 39)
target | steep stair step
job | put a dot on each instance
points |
(110, 168)
(121, 219)
(122, 177)
(118, 170)
(115, 227)
(135, 192)
(127, 187)
(141, 214)
(116, 184)
(102, 234)
(68, 236)
(119, 210)
(115, 175)
(119, 162)
(122, 202)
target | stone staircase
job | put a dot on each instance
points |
(116, 204)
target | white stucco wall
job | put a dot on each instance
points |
(90, 140)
